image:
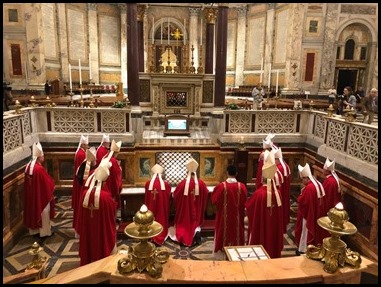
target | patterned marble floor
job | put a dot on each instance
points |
(62, 248)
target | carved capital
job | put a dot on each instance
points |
(242, 10)
(141, 12)
(210, 15)
(194, 11)
(122, 7)
(271, 5)
(92, 6)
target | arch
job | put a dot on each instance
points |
(349, 49)
(171, 20)
(364, 22)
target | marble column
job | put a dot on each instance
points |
(141, 9)
(132, 54)
(194, 34)
(123, 44)
(269, 43)
(328, 60)
(292, 79)
(210, 15)
(34, 44)
(62, 41)
(371, 76)
(240, 45)
(93, 41)
(222, 33)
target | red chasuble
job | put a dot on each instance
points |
(285, 195)
(332, 193)
(158, 201)
(229, 199)
(97, 228)
(114, 181)
(101, 152)
(265, 223)
(258, 177)
(310, 208)
(38, 189)
(80, 156)
(190, 210)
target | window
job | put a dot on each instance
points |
(13, 15)
(349, 49)
(313, 26)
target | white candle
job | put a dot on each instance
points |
(269, 85)
(153, 28)
(168, 31)
(80, 72)
(161, 33)
(277, 80)
(184, 33)
(70, 83)
(201, 33)
(143, 208)
(260, 78)
(90, 76)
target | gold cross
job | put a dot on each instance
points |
(91, 207)
(154, 191)
(192, 192)
(177, 34)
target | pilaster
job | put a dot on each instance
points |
(240, 45)
(123, 43)
(62, 41)
(93, 41)
(194, 34)
(269, 43)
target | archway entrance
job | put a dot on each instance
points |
(346, 78)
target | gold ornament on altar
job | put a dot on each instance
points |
(334, 251)
(37, 260)
(18, 107)
(330, 110)
(144, 255)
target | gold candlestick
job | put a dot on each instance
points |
(334, 251)
(192, 69)
(81, 103)
(330, 110)
(37, 260)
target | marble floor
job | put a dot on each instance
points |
(62, 248)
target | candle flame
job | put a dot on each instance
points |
(143, 208)
(17, 102)
(339, 206)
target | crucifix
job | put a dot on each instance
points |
(154, 191)
(192, 192)
(91, 207)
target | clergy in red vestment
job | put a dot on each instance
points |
(39, 205)
(103, 148)
(311, 206)
(80, 156)
(265, 212)
(285, 187)
(97, 224)
(229, 198)
(114, 181)
(267, 145)
(157, 199)
(331, 185)
(190, 198)
(83, 172)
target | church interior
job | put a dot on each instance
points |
(174, 81)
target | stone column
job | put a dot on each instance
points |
(240, 45)
(132, 54)
(222, 33)
(62, 41)
(194, 34)
(93, 41)
(140, 14)
(328, 60)
(269, 44)
(210, 15)
(35, 45)
(292, 80)
(123, 44)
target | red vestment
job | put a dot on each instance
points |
(258, 177)
(332, 192)
(80, 156)
(285, 194)
(229, 199)
(97, 228)
(38, 192)
(310, 208)
(190, 210)
(265, 223)
(114, 181)
(158, 201)
(101, 152)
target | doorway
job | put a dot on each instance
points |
(346, 78)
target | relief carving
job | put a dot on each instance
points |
(358, 9)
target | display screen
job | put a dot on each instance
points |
(177, 125)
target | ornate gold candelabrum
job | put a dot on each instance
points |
(18, 107)
(350, 114)
(32, 102)
(144, 255)
(276, 101)
(81, 103)
(330, 110)
(192, 69)
(71, 94)
(37, 260)
(91, 105)
(334, 251)
(168, 68)
(200, 69)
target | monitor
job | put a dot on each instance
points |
(176, 125)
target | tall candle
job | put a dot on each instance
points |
(80, 72)
(153, 30)
(260, 80)
(168, 31)
(90, 76)
(277, 79)
(184, 33)
(201, 33)
(269, 85)
(161, 33)
(70, 82)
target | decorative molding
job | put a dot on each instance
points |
(194, 11)
(358, 9)
(92, 6)
(210, 15)
(242, 10)
(141, 10)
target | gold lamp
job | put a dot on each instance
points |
(144, 255)
(334, 251)
(37, 260)
(330, 110)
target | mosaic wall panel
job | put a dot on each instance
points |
(276, 122)
(363, 144)
(113, 122)
(11, 134)
(174, 165)
(144, 86)
(320, 122)
(207, 91)
(26, 124)
(239, 123)
(336, 135)
(77, 121)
